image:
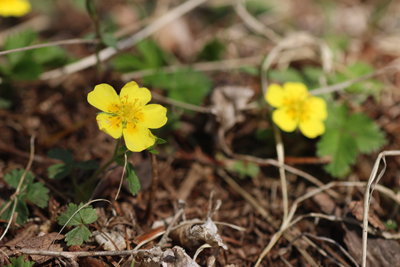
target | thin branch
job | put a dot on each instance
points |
(63, 42)
(108, 52)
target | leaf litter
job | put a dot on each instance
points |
(57, 113)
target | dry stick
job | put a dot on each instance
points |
(393, 66)
(249, 198)
(202, 66)
(154, 185)
(14, 196)
(63, 42)
(78, 254)
(254, 24)
(126, 43)
(372, 182)
(170, 227)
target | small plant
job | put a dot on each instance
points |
(79, 217)
(19, 262)
(37, 193)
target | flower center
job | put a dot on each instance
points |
(130, 112)
(297, 108)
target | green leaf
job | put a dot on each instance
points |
(366, 133)
(287, 75)
(134, 183)
(120, 158)
(345, 137)
(148, 56)
(185, 85)
(21, 39)
(59, 171)
(212, 51)
(21, 208)
(61, 154)
(87, 165)
(85, 216)
(51, 56)
(77, 235)
(26, 69)
(14, 178)
(244, 169)
(109, 40)
(38, 194)
(154, 151)
(19, 262)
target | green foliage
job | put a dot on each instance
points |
(132, 178)
(345, 137)
(29, 65)
(212, 51)
(119, 156)
(148, 56)
(158, 141)
(245, 169)
(62, 170)
(80, 233)
(19, 262)
(308, 75)
(35, 192)
(361, 89)
(186, 86)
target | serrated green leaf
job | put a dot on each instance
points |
(131, 177)
(61, 154)
(77, 235)
(85, 216)
(14, 177)
(59, 171)
(366, 133)
(21, 39)
(19, 262)
(21, 208)
(345, 137)
(341, 147)
(38, 194)
(185, 85)
(87, 165)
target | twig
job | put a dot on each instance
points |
(78, 254)
(202, 66)
(63, 42)
(154, 185)
(393, 66)
(372, 182)
(126, 43)
(254, 24)
(170, 227)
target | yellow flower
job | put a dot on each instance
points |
(16, 8)
(128, 114)
(296, 107)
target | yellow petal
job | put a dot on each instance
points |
(137, 137)
(132, 92)
(282, 118)
(275, 95)
(154, 116)
(15, 8)
(317, 108)
(312, 128)
(296, 92)
(104, 98)
(111, 125)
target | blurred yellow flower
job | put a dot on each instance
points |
(16, 8)
(296, 107)
(128, 114)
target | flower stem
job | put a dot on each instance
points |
(154, 185)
